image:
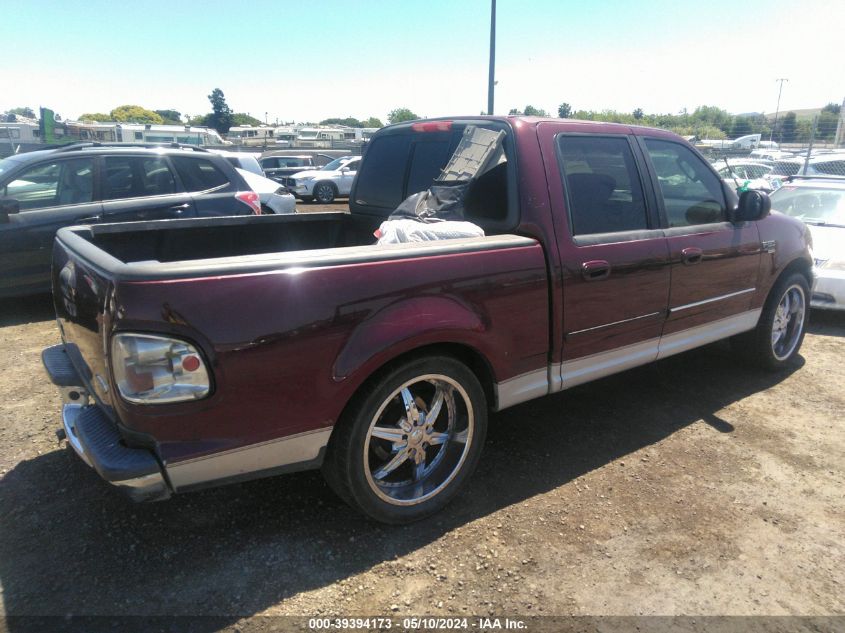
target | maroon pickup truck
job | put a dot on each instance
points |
(200, 352)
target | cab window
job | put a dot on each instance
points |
(603, 185)
(692, 193)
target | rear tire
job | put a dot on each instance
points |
(775, 342)
(409, 441)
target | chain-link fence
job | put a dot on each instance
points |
(810, 146)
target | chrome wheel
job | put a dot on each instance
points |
(788, 324)
(418, 440)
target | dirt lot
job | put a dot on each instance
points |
(691, 486)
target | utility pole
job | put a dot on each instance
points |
(490, 79)
(777, 109)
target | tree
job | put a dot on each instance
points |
(134, 114)
(95, 116)
(514, 112)
(833, 108)
(564, 110)
(242, 118)
(221, 116)
(638, 114)
(741, 127)
(348, 121)
(170, 117)
(788, 128)
(401, 114)
(24, 112)
(199, 120)
(372, 122)
(530, 110)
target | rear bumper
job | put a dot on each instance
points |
(97, 440)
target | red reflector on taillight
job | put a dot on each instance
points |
(190, 363)
(432, 126)
(251, 199)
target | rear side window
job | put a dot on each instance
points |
(605, 194)
(135, 176)
(198, 174)
(692, 194)
(380, 184)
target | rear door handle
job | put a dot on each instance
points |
(691, 255)
(595, 270)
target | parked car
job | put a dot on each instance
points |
(326, 183)
(200, 352)
(278, 167)
(828, 164)
(274, 197)
(820, 203)
(89, 183)
(747, 174)
(769, 154)
(242, 160)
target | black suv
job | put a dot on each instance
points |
(85, 183)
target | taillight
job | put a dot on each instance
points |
(251, 199)
(432, 126)
(156, 369)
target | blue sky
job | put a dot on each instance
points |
(311, 60)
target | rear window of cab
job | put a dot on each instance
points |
(402, 162)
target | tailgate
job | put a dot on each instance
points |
(81, 293)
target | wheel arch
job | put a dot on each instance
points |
(325, 182)
(469, 356)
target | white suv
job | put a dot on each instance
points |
(327, 183)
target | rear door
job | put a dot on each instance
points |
(212, 185)
(715, 263)
(141, 188)
(53, 193)
(613, 252)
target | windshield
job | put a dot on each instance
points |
(786, 168)
(334, 165)
(6, 164)
(812, 205)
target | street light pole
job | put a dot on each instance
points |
(777, 109)
(490, 79)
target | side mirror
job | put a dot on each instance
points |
(8, 206)
(343, 170)
(753, 205)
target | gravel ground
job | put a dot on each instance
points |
(690, 486)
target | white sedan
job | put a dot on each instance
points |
(820, 203)
(274, 198)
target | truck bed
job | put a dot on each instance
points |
(186, 248)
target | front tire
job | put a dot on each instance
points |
(409, 441)
(775, 342)
(324, 192)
